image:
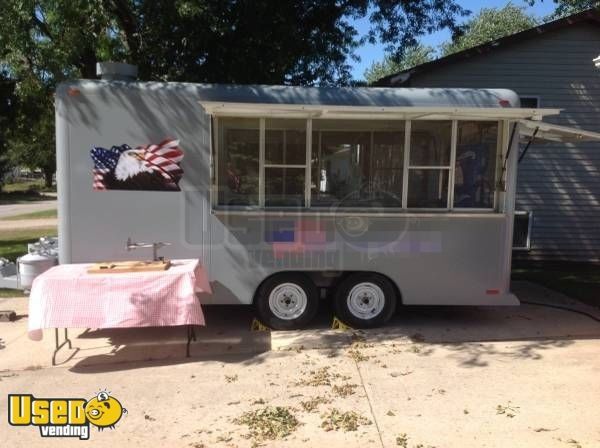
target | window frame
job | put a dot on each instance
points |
(500, 140)
(404, 209)
(264, 166)
(215, 130)
(451, 168)
(537, 99)
(371, 143)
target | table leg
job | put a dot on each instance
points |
(67, 338)
(191, 336)
(58, 346)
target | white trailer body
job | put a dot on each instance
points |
(417, 185)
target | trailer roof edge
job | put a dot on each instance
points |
(372, 112)
(302, 95)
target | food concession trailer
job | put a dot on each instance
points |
(376, 197)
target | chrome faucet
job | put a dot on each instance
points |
(130, 245)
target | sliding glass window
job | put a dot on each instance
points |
(429, 164)
(475, 168)
(285, 163)
(362, 164)
(238, 161)
(357, 163)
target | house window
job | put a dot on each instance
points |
(475, 168)
(357, 163)
(529, 102)
(429, 167)
(238, 161)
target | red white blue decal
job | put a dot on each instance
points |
(150, 167)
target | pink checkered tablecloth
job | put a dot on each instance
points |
(66, 296)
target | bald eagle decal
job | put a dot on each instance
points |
(151, 167)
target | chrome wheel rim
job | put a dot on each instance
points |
(288, 301)
(366, 300)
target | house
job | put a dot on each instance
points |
(551, 65)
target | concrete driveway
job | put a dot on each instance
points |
(7, 210)
(435, 377)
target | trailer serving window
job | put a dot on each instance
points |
(238, 161)
(284, 163)
(429, 169)
(477, 149)
(357, 163)
(298, 163)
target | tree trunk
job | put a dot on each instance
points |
(48, 175)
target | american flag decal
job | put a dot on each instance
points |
(147, 167)
(165, 159)
(105, 162)
(298, 236)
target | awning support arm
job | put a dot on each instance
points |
(502, 182)
(528, 144)
(510, 142)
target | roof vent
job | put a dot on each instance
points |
(597, 61)
(116, 71)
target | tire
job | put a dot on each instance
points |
(349, 304)
(287, 301)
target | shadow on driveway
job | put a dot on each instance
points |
(468, 331)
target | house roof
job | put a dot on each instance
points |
(400, 78)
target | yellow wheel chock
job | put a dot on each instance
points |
(339, 325)
(258, 326)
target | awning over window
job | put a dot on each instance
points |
(555, 133)
(373, 112)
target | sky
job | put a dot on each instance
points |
(370, 53)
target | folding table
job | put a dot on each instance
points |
(67, 296)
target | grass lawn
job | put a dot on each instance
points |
(13, 243)
(43, 214)
(577, 281)
(22, 197)
(27, 191)
(23, 186)
(5, 292)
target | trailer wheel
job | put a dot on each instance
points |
(287, 301)
(365, 300)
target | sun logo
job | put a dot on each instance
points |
(104, 411)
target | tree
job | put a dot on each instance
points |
(488, 25)
(302, 42)
(43, 43)
(412, 56)
(31, 137)
(7, 108)
(568, 7)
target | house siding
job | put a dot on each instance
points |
(559, 183)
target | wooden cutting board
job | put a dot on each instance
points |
(118, 267)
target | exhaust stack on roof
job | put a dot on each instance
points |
(116, 71)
